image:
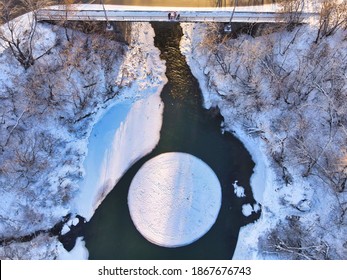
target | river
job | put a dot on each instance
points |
(187, 127)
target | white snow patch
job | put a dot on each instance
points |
(174, 199)
(65, 229)
(256, 207)
(247, 209)
(238, 190)
(115, 146)
(79, 252)
(75, 221)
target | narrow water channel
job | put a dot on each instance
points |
(187, 127)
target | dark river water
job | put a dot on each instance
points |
(187, 127)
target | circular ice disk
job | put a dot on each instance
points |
(174, 199)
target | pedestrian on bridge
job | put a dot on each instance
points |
(173, 16)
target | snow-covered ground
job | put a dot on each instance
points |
(47, 115)
(79, 252)
(130, 129)
(283, 96)
(174, 199)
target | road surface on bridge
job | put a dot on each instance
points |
(97, 12)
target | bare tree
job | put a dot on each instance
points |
(333, 16)
(291, 239)
(291, 11)
(20, 40)
(67, 7)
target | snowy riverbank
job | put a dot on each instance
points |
(302, 212)
(262, 177)
(129, 129)
(61, 115)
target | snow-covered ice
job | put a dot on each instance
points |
(65, 229)
(238, 190)
(115, 144)
(174, 199)
(248, 209)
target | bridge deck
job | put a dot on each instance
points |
(95, 12)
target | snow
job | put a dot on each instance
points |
(26, 209)
(136, 76)
(174, 199)
(247, 209)
(296, 209)
(79, 252)
(115, 145)
(65, 230)
(75, 221)
(238, 190)
(42, 247)
(130, 129)
(262, 176)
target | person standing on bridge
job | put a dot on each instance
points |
(173, 16)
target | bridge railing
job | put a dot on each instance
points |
(95, 13)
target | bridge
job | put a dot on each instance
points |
(109, 13)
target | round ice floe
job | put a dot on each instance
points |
(174, 199)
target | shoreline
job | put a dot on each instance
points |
(299, 200)
(260, 177)
(136, 131)
(134, 86)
